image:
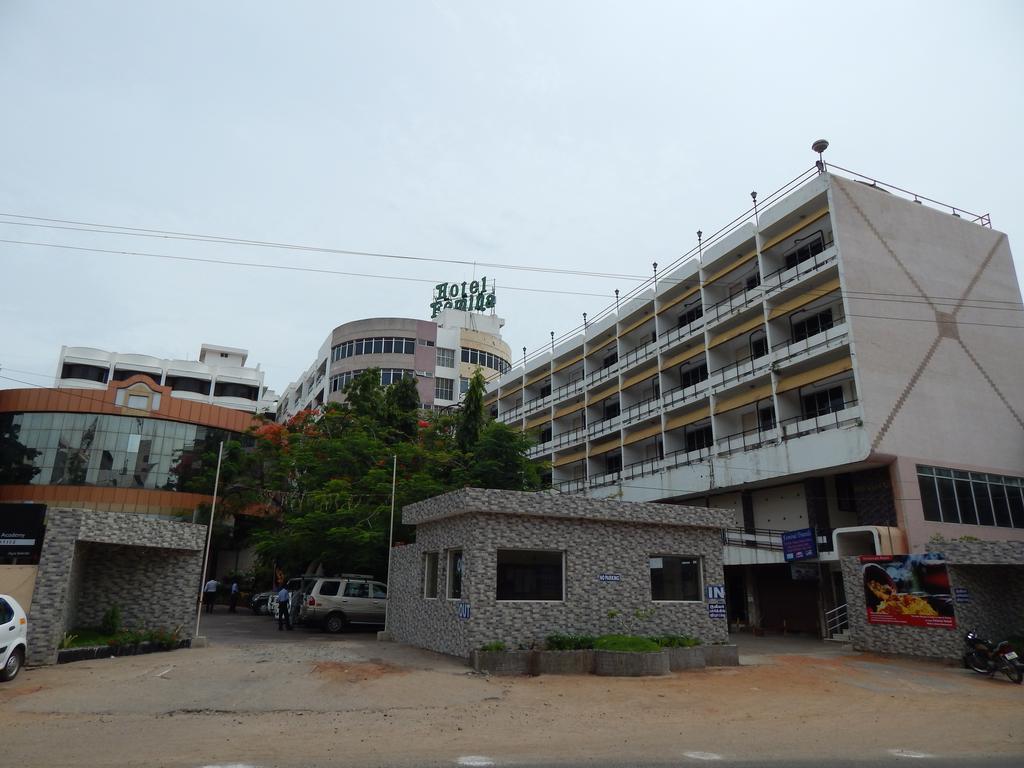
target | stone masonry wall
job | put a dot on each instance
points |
(591, 548)
(88, 556)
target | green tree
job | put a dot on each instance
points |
(471, 416)
(498, 460)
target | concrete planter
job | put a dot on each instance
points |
(501, 662)
(565, 662)
(686, 658)
(721, 655)
(629, 664)
(88, 653)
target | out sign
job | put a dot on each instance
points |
(716, 591)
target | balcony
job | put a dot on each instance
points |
(684, 457)
(794, 351)
(640, 410)
(642, 468)
(849, 415)
(683, 333)
(683, 395)
(747, 440)
(603, 427)
(571, 486)
(568, 438)
(641, 353)
(608, 478)
(768, 540)
(566, 391)
(602, 374)
(536, 404)
(788, 276)
(733, 304)
(514, 415)
(737, 373)
(540, 449)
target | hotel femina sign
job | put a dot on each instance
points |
(465, 297)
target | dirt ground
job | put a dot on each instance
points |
(352, 701)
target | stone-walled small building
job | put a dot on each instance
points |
(515, 567)
(987, 582)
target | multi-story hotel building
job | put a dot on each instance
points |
(219, 377)
(847, 362)
(442, 355)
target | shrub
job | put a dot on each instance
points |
(629, 643)
(111, 623)
(497, 645)
(676, 641)
(569, 642)
(67, 641)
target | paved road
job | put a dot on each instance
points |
(246, 628)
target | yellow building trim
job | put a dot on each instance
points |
(635, 325)
(786, 383)
(654, 429)
(570, 361)
(509, 392)
(561, 461)
(743, 398)
(538, 420)
(537, 377)
(688, 418)
(565, 410)
(804, 298)
(683, 356)
(652, 370)
(732, 333)
(730, 267)
(604, 447)
(682, 297)
(794, 229)
(601, 394)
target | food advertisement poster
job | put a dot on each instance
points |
(910, 590)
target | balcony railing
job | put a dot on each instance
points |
(683, 457)
(514, 415)
(828, 339)
(640, 410)
(571, 486)
(602, 374)
(735, 301)
(681, 395)
(736, 372)
(683, 332)
(640, 353)
(604, 426)
(771, 538)
(778, 279)
(538, 403)
(747, 440)
(643, 467)
(539, 450)
(566, 391)
(568, 438)
(797, 426)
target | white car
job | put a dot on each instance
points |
(13, 633)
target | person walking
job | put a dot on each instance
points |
(284, 614)
(233, 598)
(210, 594)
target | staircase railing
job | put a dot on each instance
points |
(837, 620)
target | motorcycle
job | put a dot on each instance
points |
(987, 658)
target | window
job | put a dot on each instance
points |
(424, 343)
(698, 438)
(805, 248)
(971, 498)
(6, 612)
(753, 281)
(139, 402)
(809, 326)
(675, 578)
(694, 374)
(691, 314)
(445, 357)
(380, 592)
(456, 564)
(610, 360)
(822, 402)
(430, 575)
(357, 589)
(83, 371)
(391, 375)
(463, 385)
(529, 575)
(766, 418)
(329, 588)
(444, 389)
(613, 463)
(758, 345)
(612, 409)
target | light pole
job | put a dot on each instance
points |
(209, 535)
(391, 538)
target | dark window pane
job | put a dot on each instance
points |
(529, 575)
(947, 500)
(378, 346)
(983, 503)
(966, 500)
(929, 498)
(1016, 505)
(1000, 506)
(455, 568)
(389, 346)
(675, 578)
(329, 588)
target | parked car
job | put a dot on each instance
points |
(258, 602)
(335, 602)
(297, 588)
(13, 634)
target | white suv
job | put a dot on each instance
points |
(338, 601)
(13, 633)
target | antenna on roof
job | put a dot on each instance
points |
(820, 146)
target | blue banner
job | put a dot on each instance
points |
(799, 544)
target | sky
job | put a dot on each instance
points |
(591, 137)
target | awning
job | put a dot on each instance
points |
(795, 380)
(794, 229)
(683, 356)
(688, 418)
(743, 398)
(732, 333)
(729, 268)
(635, 437)
(803, 299)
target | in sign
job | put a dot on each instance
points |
(716, 591)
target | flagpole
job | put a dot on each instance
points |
(209, 536)
(391, 537)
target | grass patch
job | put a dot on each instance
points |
(628, 643)
(87, 637)
(676, 641)
(497, 645)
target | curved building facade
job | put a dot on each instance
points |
(130, 447)
(441, 355)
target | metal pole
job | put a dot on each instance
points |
(209, 535)
(391, 536)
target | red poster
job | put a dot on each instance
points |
(908, 590)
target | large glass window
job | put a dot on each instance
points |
(809, 326)
(971, 498)
(445, 357)
(822, 402)
(675, 578)
(444, 389)
(525, 574)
